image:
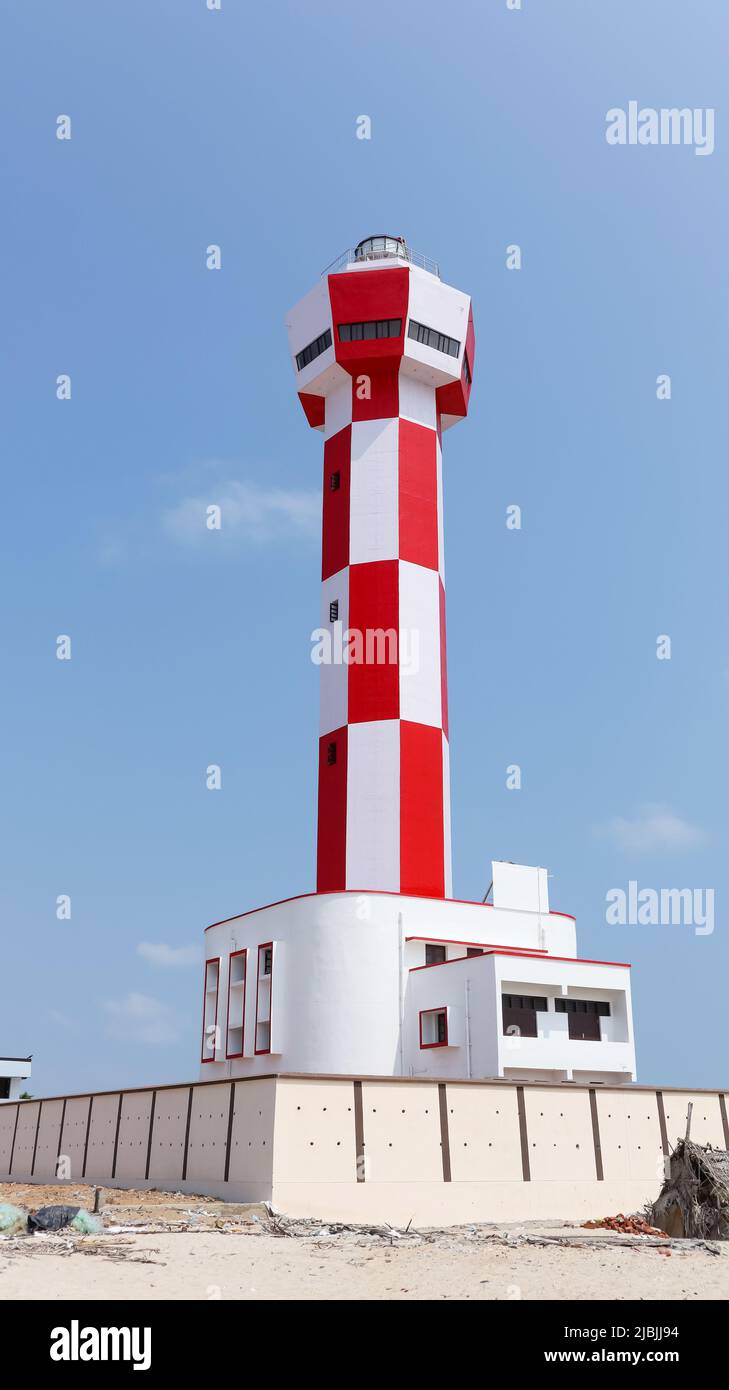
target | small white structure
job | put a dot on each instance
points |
(383, 984)
(14, 1071)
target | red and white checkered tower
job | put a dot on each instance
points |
(383, 353)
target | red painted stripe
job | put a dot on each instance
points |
(418, 494)
(335, 511)
(374, 688)
(422, 851)
(313, 409)
(375, 390)
(331, 847)
(443, 661)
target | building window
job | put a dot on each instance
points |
(334, 610)
(582, 1006)
(210, 1010)
(433, 339)
(264, 987)
(314, 349)
(466, 369)
(435, 955)
(331, 754)
(584, 1027)
(583, 1017)
(434, 1027)
(474, 951)
(520, 1014)
(235, 1026)
(373, 328)
(335, 481)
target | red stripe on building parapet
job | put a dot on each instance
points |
(520, 955)
(482, 945)
(383, 893)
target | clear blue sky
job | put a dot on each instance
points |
(192, 127)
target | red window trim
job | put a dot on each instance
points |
(439, 1009)
(263, 1051)
(242, 952)
(213, 960)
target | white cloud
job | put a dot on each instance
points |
(655, 827)
(169, 957)
(248, 512)
(138, 1018)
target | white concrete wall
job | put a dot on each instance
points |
(334, 988)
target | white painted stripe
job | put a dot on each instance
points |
(338, 408)
(420, 693)
(373, 503)
(447, 853)
(417, 399)
(439, 476)
(373, 805)
(333, 674)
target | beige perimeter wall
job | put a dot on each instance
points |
(369, 1149)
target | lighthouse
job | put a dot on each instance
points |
(383, 352)
(381, 972)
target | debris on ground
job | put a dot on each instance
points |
(56, 1217)
(12, 1219)
(128, 1213)
(625, 1225)
(694, 1199)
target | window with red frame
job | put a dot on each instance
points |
(210, 1010)
(264, 986)
(235, 1024)
(434, 1028)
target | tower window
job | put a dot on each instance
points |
(373, 328)
(432, 338)
(331, 753)
(314, 349)
(335, 481)
(334, 610)
(466, 369)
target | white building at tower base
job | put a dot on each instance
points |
(384, 984)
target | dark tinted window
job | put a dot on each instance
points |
(372, 328)
(435, 955)
(432, 338)
(314, 349)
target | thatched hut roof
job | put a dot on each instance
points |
(694, 1199)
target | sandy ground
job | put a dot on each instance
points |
(205, 1250)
